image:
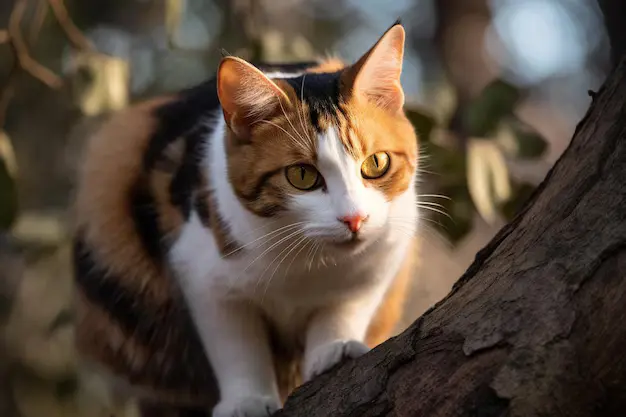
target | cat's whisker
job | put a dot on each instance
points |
(281, 128)
(302, 140)
(436, 211)
(435, 196)
(403, 231)
(429, 203)
(291, 247)
(309, 255)
(301, 111)
(295, 256)
(256, 229)
(267, 235)
(297, 232)
(286, 248)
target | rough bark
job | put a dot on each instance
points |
(535, 327)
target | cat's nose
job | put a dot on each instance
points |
(354, 221)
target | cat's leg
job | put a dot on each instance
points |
(231, 328)
(235, 338)
(336, 333)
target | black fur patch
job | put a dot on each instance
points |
(144, 214)
(181, 117)
(188, 178)
(321, 92)
(177, 360)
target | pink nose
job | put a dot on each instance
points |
(353, 222)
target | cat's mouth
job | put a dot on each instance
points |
(353, 241)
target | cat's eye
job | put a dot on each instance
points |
(303, 177)
(375, 166)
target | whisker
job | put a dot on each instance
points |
(272, 247)
(429, 203)
(301, 111)
(290, 248)
(256, 229)
(435, 196)
(302, 140)
(280, 229)
(298, 253)
(281, 128)
(260, 278)
(310, 254)
(436, 211)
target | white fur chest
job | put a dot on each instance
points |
(287, 288)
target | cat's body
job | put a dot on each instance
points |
(259, 219)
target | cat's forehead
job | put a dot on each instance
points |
(320, 94)
(320, 104)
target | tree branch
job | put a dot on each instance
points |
(534, 326)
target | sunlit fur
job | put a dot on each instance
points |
(267, 273)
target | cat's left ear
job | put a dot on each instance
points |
(246, 94)
(376, 76)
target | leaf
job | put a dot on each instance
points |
(8, 186)
(100, 82)
(423, 121)
(530, 144)
(450, 164)
(460, 209)
(487, 177)
(483, 115)
(521, 194)
(173, 17)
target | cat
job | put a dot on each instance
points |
(250, 233)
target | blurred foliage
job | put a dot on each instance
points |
(470, 158)
(8, 187)
(100, 83)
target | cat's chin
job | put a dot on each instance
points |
(351, 245)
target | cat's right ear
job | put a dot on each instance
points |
(246, 94)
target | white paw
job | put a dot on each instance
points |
(325, 357)
(258, 406)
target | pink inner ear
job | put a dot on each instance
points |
(379, 70)
(245, 93)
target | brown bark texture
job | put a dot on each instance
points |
(536, 325)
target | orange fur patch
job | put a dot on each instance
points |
(390, 310)
(112, 165)
(331, 64)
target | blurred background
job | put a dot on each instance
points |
(495, 89)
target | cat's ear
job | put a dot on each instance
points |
(376, 76)
(246, 94)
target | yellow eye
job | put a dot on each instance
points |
(303, 177)
(375, 166)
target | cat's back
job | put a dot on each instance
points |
(139, 172)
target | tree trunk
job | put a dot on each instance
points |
(614, 12)
(535, 327)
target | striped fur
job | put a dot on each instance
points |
(144, 181)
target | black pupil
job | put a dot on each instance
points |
(302, 172)
(376, 160)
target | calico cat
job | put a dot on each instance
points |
(262, 222)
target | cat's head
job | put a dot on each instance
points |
(330, 148)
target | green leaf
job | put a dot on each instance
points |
(530, 144)
(448, 164)
(460, 209)
(483, 115)
(521, 194)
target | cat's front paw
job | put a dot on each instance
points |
(325, 357)
(257, 406)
